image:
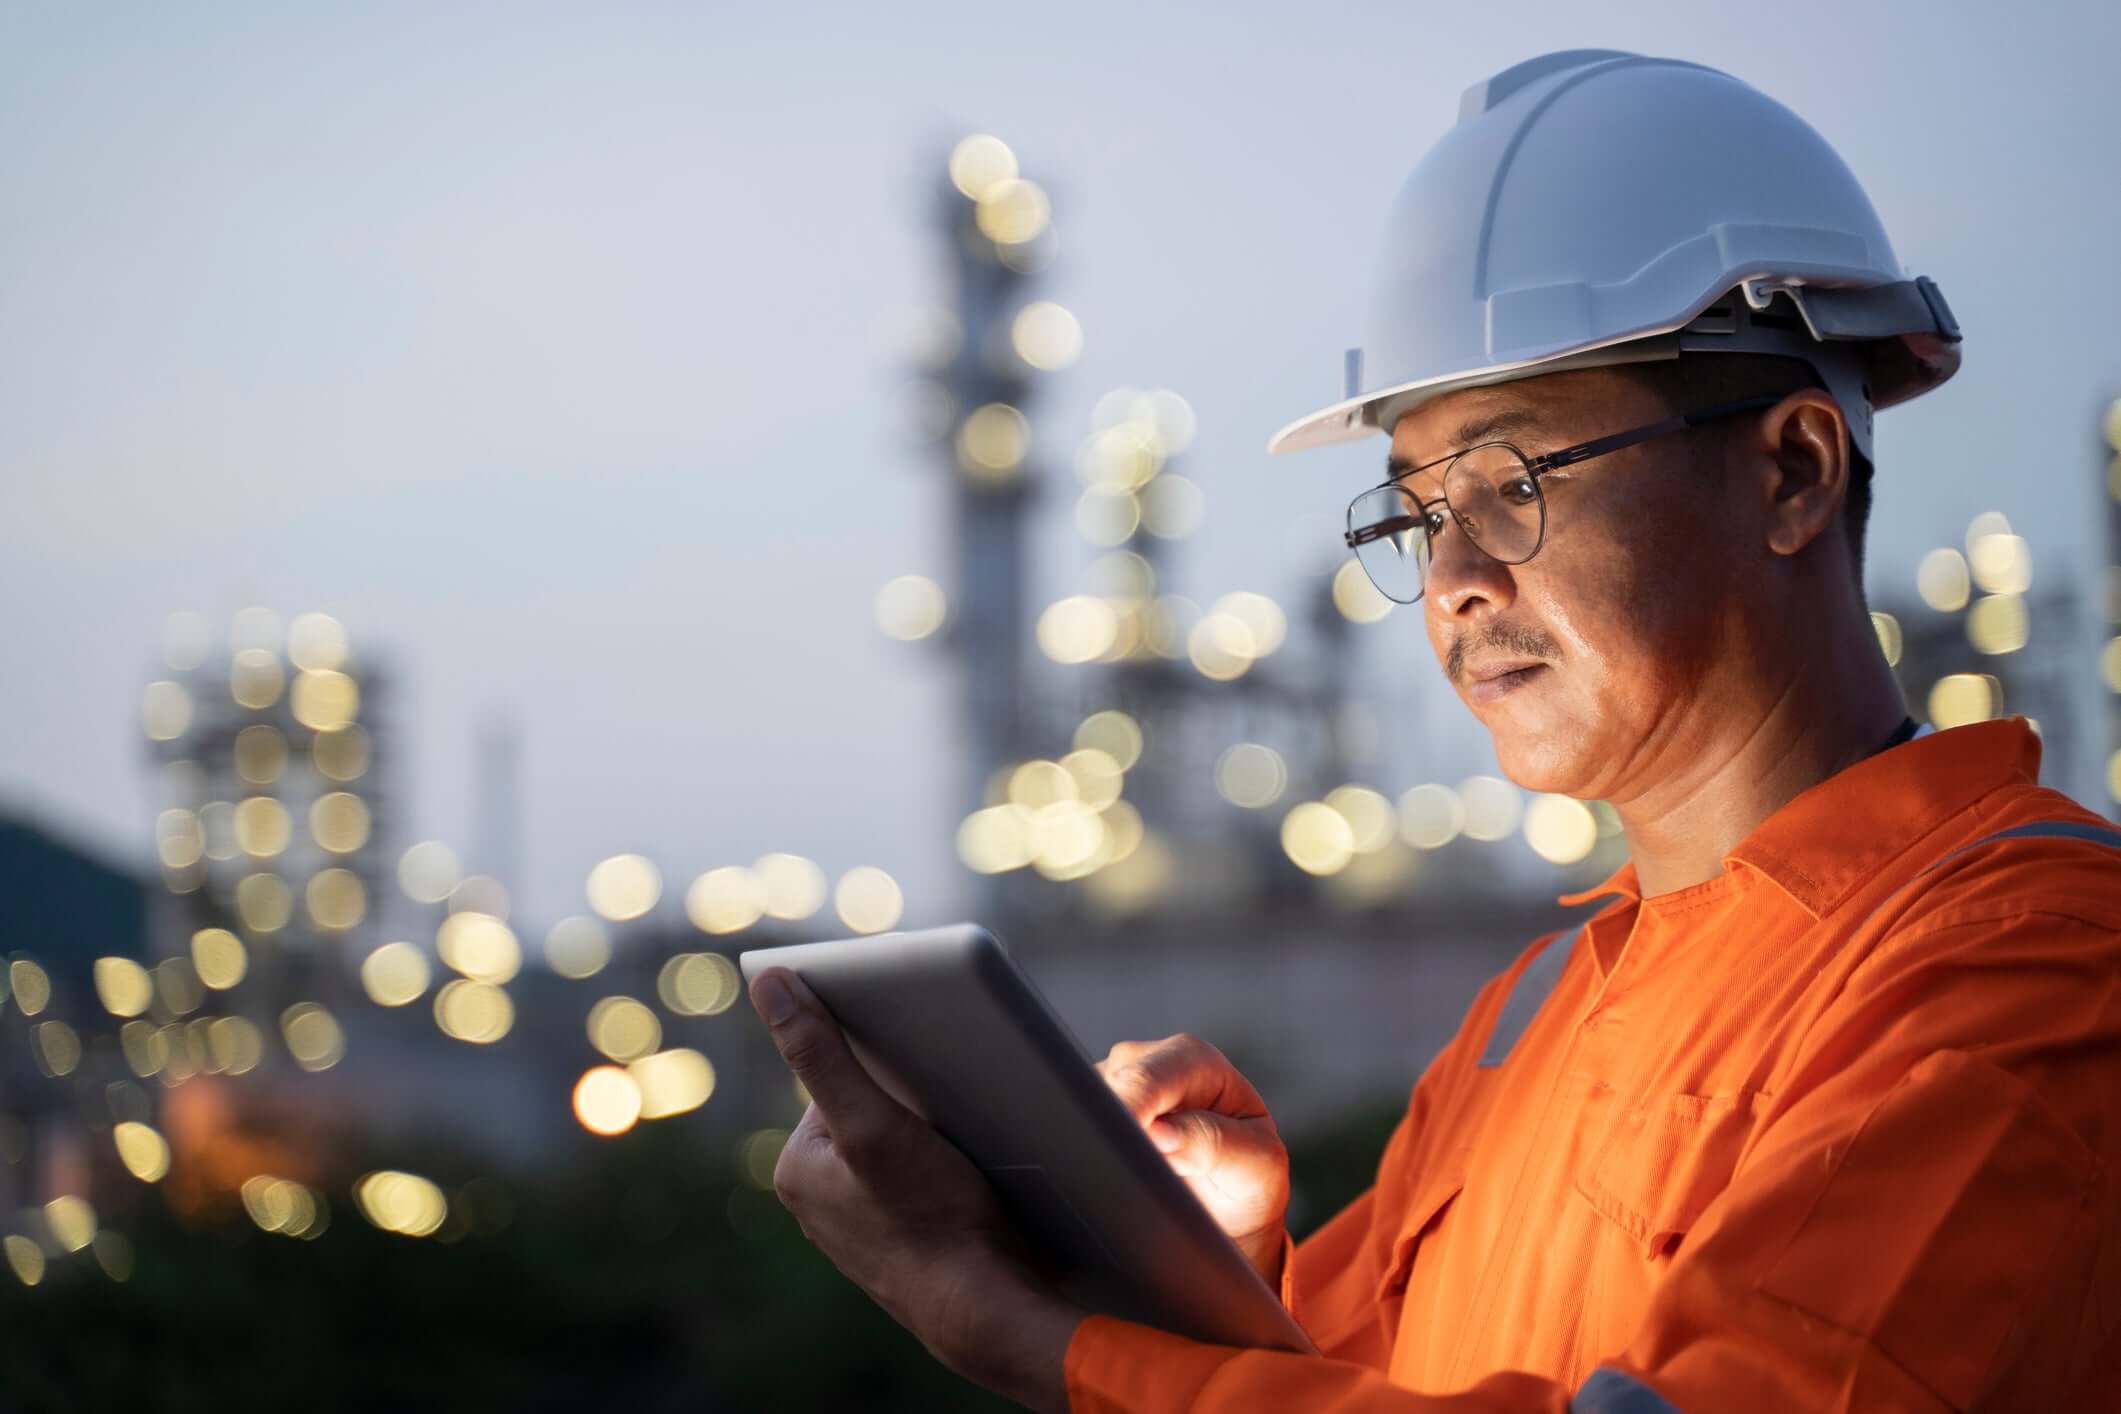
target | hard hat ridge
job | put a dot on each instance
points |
(1590, 206)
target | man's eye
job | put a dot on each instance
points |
(1433, 522)
(1519, 491)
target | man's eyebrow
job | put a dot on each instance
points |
(1474, 430)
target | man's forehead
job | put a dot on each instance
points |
(1464, 418)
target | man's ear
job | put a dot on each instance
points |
(1802, 448)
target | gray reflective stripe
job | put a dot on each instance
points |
(1527, 996)
(2035, 830)
(2040, 830)
(1611, 1392)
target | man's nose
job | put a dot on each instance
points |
(1462, 576)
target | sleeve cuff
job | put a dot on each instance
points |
(1119, 1367)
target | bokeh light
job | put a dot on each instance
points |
(477, 1012)
(395, 974)
(623, 1028)
(624, 887)
(1943, 580)
(911, 607)
(1046, 336)
(671, 1082)
(698, 984)
(1115, 733)
(429, 871)
(1317, 838)
(1492, 807)
(404, 1203)
(868, 900)
(577, 947)
(1560, 830)
(312, 1035)
(795, 885)
(607, 1100)
(1356, 597)
(219, 958)
(726, 900)
(1960, 698)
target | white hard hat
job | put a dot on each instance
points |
(1595, 207)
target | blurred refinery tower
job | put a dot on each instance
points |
(1134, 690)
(274, 813)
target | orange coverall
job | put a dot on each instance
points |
(1838, 1129)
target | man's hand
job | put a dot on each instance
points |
(1212, 1125)
(906, 1216)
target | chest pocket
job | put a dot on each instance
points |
(1666, 1161)
(1424, 1214)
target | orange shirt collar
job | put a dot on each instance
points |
(1822, 845)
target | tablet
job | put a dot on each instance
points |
(954, 1031)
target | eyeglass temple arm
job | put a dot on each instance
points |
(1584, 451)
(1378, 530)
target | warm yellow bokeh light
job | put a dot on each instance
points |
(1560, 830)
(341, 755)
(261, 754)
(428, 871)
(1431, 816)
(165, 710)
(993, 441)
(234, 1045)
(263, 827)
(996, 839)
(264, 902)
(142, 1149)
(1356, 597)
(1317, 838)
(1221, 647)
(1891, 642)
(71, 1222)
(911, 607)
(698, 984)
(1998, 623)
(324, 701)
(2110, 664)
(2001, 563)
(123, 986)
(1492, 807)
(25, 1257)
(57, 1047)
(1251, 775)
(795, 885)
(219, 957)
(312, 1035)
(726, 900)
(180, 838)
(477, 1012)
(1960, 698)
(577, 947)
(978, 162)
(1012, 211)
(1077, 629)
(317, 642)
(480, 946)
(255, 678)
(1098, 778)
(1371, 819)
(624, 1029)
(1115, 733)
(31, 986)
(1172, 507)
(868, 900)
(1046, 336)
(395, 974)
(336, 899)
(607, 1100)
(624, 886)
(672, 1082)
(1943, 580)
(338, 822)
(404, 1203)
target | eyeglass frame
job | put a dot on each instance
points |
(1535, 467)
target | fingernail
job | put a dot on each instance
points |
(775, 1002)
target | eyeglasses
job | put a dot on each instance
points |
(1492, 493)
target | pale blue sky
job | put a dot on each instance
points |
(518, 337)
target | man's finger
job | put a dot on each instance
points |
(852, 1106)
(1182, 1073)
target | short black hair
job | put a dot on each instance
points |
(1704, 379)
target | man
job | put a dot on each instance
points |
(1821, 1109)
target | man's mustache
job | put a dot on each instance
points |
(1510, 638)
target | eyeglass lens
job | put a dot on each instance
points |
(1492, 497)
